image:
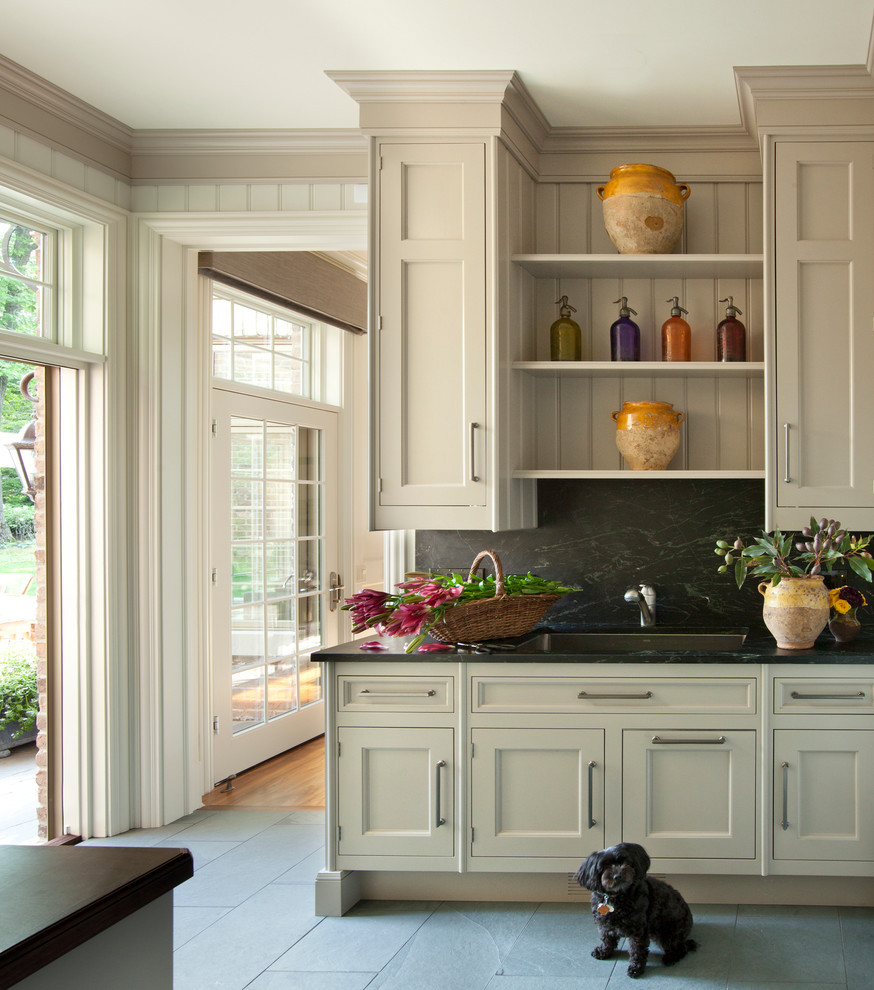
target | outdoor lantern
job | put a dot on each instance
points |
(24, 457)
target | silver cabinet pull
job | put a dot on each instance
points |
(398, 694)
(592, 765)
(473, 475)
(785, 823)
(689, 742)
(626, 697)
(440, 764)
(786, 477)
(826, 697)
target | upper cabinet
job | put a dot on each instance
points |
(823, 403)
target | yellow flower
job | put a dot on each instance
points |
(841, 606)
(833, 595)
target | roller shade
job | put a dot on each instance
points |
(297, 279)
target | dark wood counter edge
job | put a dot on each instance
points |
(50, 943)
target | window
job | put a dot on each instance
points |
(26, 278)
(257, 344)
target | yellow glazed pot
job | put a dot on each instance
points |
(648, 434)
(643, 209)
(795, 610)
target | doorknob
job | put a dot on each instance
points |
(335, 587)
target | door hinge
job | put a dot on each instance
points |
(379, 322)
(339, 832)
(471, 833)
(214, 575)
(214, 428)
(472, 748)
(215, 723)
(339, 749)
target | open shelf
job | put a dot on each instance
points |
(642, 265)
(642, 369)
(670, 475)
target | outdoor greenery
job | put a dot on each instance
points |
(19, 698)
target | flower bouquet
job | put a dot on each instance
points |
(843, 603)
(454, 609)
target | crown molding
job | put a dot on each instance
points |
(788, 83)
(575, 140)
(417, 86)
(247, 142)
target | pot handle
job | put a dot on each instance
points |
(763, 586)
(680, 417)
(600, 191)
(684, 191)
(615, 416)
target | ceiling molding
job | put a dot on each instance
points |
(574, 140)
(416, 86)
(247, 142)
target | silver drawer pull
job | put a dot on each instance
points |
(438, 767)
(473, 428)
(412, 694)
(826, 697)
(625, 697)
(784, 824)
(697, 742)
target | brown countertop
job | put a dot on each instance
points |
(57, 897)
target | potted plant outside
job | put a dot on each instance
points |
(19, 697)
(796, 602)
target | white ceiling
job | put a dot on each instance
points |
(261, 63)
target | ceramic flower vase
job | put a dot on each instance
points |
(844, 628)
(795, 611)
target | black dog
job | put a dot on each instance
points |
(628, 903)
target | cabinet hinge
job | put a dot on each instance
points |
(379, 167)
(214, 428)
(214, 575)
(379, 322)
(339, 832)
(339, 749)
(215, 724)
(471, 833)
(472, 749)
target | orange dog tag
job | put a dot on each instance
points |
(605, 908)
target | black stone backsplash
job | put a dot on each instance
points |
(606, 535)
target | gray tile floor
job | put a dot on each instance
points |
(18, 797)
(245, 920)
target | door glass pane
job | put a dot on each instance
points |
(277, 582)
(282, 688)
(247, 691)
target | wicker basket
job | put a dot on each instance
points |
(491, 618)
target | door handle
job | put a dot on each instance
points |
(786, 478)
(785, 823)
(473, 475)
(335, 587)
(439, 821)
(592, 765)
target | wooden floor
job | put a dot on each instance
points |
(292, 781)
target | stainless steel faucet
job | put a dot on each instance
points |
(644, 595)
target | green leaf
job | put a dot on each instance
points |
(862, 566)
(740, 573)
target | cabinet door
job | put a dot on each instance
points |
(824, 794)
(395, 792)
(430, 386)
(825, 348)
(537, 792)
(690, 794)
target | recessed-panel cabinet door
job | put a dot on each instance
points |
(395, 791)
(824, 794)
(537, 792)
(824, 200)
(430, 349)
(690, 794)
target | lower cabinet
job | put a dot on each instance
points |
(536, 793)
(690, 793)
(396, 791)
(824, 794)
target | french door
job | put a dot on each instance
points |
(273, 526)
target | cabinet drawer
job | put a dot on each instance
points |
(613, 694)
(389, 693)
(805, 695)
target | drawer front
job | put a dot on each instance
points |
(395, 693)
(811, 695)
(734, 695)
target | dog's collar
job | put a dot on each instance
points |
(605, 907)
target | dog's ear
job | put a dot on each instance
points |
(589, 873)
(638, 857)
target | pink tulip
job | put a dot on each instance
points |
(434, 648)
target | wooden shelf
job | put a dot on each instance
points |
(641, 369)
(571, 473)
(642, 265)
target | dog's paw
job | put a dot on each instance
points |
(636, 969)
(602, 952)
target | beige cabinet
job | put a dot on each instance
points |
(429, 365)
(822, 460)
(536, 794)
(824, 795)
(690, 793)
(395, 792)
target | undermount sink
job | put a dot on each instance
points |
(634, 640)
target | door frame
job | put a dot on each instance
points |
(173, 387)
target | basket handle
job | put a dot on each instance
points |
(499, 570)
